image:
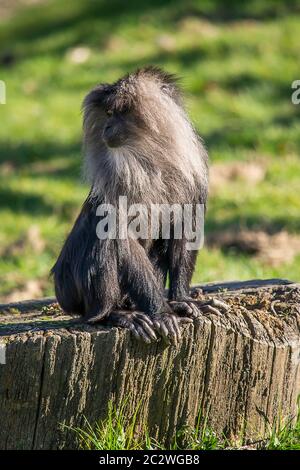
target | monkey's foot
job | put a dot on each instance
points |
(184, 308)
(212, 305)
(168, 325)
(194, 308)
(138, 323)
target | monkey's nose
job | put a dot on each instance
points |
(111, 136)
(108, 132)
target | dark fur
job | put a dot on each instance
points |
(94, 277)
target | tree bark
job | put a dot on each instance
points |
(240, 369)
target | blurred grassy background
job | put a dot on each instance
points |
(237, 61)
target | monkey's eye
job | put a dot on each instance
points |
(109, 112)
(125, 111)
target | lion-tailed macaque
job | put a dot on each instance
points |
(138, 143)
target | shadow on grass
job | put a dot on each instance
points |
(20, 202)
(268, 225)
(23, 153)
(234, 135)
(77, 16)
(275, 89)
(40, 160)
(221, 11)
(77, 20)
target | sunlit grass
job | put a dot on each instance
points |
(285, 436)
(120, 432)
(237, 65)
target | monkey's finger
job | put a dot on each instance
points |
(162, 330)
(172, 330)
(144, 317)
(209, 309)
(220, 305)
(147, 328)
(142, 334)
(196, 311)
(193, 313)
(176, 327)
(134, 331)
(181, 307)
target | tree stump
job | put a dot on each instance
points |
(239, 368)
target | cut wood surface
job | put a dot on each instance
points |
(239, 368)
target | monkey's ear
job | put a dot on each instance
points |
(172, 90)
(98, 96)
(165, 88)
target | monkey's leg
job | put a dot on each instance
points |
(138, 323)
(159, 258)
(182, 265)
(138, 279)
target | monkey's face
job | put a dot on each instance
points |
(114, 132)
(131, 112)
(110, 121)
(137, 136)
(119, 128)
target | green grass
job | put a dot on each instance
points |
(237, 61)
(114, 433)
(284, 435)
(119, 433)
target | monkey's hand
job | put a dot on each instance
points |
(167, 325)
(138, 323)
(184, 308)
(194, 308)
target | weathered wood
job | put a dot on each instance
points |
(240, 368)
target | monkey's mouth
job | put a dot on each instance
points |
(114, 142)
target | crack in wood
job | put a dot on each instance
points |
(239, 367)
